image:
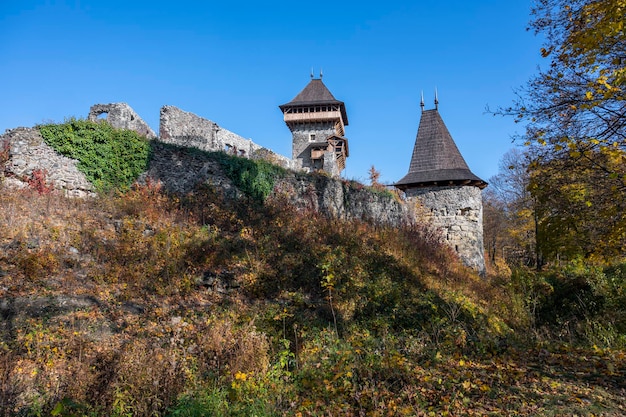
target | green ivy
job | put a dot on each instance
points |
(110, 158)
(256, 178)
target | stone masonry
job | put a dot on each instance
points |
(301, 152)
(458, 213)
(121, 116)
(28, 152)
(186, 129)
(180, 170)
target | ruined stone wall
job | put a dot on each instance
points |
(183, 128)
(121, 116)
(180, 170)
(29, 152)
(458, 212)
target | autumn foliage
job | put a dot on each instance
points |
(141, 303)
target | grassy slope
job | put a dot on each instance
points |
(198, 306)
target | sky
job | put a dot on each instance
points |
(235, 62)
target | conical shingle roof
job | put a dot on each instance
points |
(316, 93)
(436, 159)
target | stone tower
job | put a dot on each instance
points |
(440, 180)
(317, 122)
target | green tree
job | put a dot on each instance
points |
(580, 209)
(578, 103)
(575, 115)
(510, 216)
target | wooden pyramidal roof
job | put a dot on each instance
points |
(436, 160)
(316, 93)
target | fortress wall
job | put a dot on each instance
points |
(456, 211)
(180, 170)
(183, 128)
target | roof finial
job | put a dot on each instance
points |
(321, 73)
(422, 102)
(436, 99)
(312, 73)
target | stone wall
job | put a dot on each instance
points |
(301, 139)
(458, 212)
(183, 128)
(121, 116)
(29, 152)
(180, 170)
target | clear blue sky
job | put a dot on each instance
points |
(234, 62)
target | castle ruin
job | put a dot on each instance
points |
(120, 116)
(438, 178)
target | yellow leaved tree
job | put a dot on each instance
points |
(575, 115)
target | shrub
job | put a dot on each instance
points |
(110, 158)
(256, 178)
(38, 182)
(576, 302)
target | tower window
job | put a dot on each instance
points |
(312, 137)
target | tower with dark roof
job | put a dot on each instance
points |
(440, 180)
(317, 122)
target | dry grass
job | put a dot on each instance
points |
(143, 304)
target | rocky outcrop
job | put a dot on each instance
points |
(28, 152)
(346, 200)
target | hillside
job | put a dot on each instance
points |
(142, 304)
(228, 301)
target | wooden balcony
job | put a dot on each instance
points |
(312, 116)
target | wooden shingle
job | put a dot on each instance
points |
(316, 93)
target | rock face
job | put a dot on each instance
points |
(28, 152)
(121, 116)
(458, 212)
(182, 128)
(339, 199)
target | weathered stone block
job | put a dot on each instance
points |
(28, 152)
(186, 129)
(464, 232)
(121, 116)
